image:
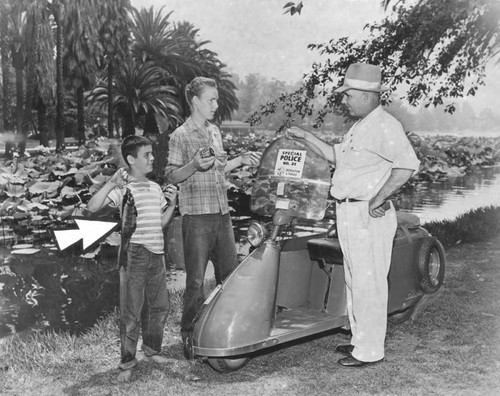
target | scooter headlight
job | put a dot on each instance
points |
(256, 234)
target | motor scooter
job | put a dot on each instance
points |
(290, 288)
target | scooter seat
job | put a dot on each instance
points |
(407, 220)
(325, 249)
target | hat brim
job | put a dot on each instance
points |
(344, 88)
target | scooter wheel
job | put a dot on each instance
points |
(431, 265)
(225, 365)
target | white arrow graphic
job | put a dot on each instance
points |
(88, 230)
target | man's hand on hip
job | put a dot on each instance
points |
(377, 209)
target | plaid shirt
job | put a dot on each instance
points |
(202, 192)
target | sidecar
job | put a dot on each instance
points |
(291, 288)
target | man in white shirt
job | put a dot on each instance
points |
(373, 161)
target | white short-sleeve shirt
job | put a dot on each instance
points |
(370, 150)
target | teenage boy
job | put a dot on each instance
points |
(144, 300)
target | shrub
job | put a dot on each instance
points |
(476, 225)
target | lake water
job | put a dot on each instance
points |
(454, 196)
(66, 292)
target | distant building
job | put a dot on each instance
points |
(237, 128)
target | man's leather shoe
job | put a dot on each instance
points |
(345, 349)
(351, 361)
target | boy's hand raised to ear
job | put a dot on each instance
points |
(120, 178)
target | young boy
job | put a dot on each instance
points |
(144, 300)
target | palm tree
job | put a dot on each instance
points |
(30, 26)
(157, 41)
(40, 66)
(45, 81)
(27, 33)
(177, 50)
(207, 65)
(228, 102)
(33, 17)
(137, 91)
(81, 53)
(6, 74)
(17, 30)
(57, 8)
(114, 36)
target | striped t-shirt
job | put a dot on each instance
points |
(150, 203)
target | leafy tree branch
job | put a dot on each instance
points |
(428, 50)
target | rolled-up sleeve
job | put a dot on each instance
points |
(175, 156)
(395, 146)
(115, 197)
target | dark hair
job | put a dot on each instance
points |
(131, 145)
(196, 86)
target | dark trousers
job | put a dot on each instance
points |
(144, 303)
(208, 236)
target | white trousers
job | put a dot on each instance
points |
(366, 243)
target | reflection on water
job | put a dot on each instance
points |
(63, 291)
(447, 199)
(55, 290)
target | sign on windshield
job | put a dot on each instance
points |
(293, 175)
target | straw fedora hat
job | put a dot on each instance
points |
(363, 77)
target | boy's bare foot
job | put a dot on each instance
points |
(124, 375)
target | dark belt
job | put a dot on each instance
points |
(340, 201)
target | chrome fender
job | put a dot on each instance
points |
(241, 311)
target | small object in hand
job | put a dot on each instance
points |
(207, 152)
(168, 187)
(124, 175)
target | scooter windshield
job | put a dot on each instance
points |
(294, 176)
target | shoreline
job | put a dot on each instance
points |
(447, 231)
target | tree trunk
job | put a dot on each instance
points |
(17, 61)
(118, 122)
(150, 124)
(6, 75)
(42, 123)
(6, 87)
(80, 115)
(110, 99)
(160, 152)
(128, 125)
(59, 127)
(30, 74)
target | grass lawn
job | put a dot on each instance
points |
(451, 348)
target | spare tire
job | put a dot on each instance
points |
(431, 265)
